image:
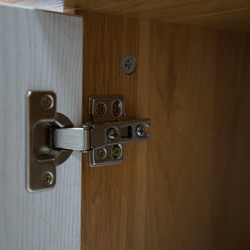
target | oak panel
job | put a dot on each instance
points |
(187, 188)
(219, 14)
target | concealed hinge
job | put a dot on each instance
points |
(51, 136)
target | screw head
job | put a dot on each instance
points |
(100, 109)
(128, 64)
(141, 130)
(47, 179)
(112, 134)
(101, 154)
(117, 152)
(47, 102)
(117, 108)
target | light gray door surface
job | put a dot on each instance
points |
(38, 51)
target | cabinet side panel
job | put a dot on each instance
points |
(187, 188)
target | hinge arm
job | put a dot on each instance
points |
(72, 139)
(101, 134)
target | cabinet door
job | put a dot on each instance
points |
(38, 51)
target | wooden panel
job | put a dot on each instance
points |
(38, 50)
(221, 14)
(188, 187)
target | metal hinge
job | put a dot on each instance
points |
(52, 137)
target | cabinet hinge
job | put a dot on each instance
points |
(51, 136)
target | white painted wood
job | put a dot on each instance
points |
(38, 50)
(50, 5)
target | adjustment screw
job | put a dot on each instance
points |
(47, 179)
(117, 152)
(101, 154)
(128, 64)
(117, 108)
(112, 134)
(100, 109)
(141, 130)
(47, 102)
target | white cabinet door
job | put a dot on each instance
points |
(38, 51)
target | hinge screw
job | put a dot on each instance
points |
(128, 65)
(101, 154)
(117, 152)
(47, 102)
(101, 109)
(113, 133)
(141, 130)
(47, 179)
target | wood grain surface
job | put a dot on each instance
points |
(38, 51)
(219, 14)
(188, 187)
